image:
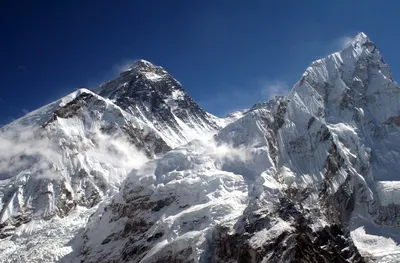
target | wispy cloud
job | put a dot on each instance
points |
(321, 47)
(32, 150)
(271, 88)
(122, 66)
(111, 72)
(233, 98)
(344, 41)
(229, 99)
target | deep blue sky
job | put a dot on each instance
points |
(227, 54)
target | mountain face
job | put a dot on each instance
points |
(76, 151)
(307, 177)
(156, 98)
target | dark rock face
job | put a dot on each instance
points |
(136, 229)
(147, 141)
(280, 115)
(301, 244)
(270, 105)
(149, 90)
(388, 215)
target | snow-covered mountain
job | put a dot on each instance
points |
(152, 95)
(76, 151)
(307, 177)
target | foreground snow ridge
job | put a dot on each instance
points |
(136, 171)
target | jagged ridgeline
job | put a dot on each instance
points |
(307, 177)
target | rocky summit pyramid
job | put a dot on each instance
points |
(307, 177)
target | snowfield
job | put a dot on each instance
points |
(45, 241)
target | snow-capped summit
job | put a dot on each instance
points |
(146, 68)
(151, 94)
(142, 64)
(360, 38)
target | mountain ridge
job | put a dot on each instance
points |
(75, 132)
(294, 164)
(310, 176)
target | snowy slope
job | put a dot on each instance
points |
(56, 164)
(286, 182)
(72, 154)
(350, 97)
(208, 202)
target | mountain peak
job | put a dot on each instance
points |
(142, 65)
(346, 80)
(360, 37)
(360, 46)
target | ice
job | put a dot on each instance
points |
(44, 241)
(379, 248)
(388, 192)
(270, 234)
(152, 76)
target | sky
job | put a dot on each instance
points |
(228, 55)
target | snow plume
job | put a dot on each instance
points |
(123, 65)
(344, 41)
(115, 150)
(226, 152)
(270, 89)
(111, 72)
(32, 150)
(27, 149)
(246, 160)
